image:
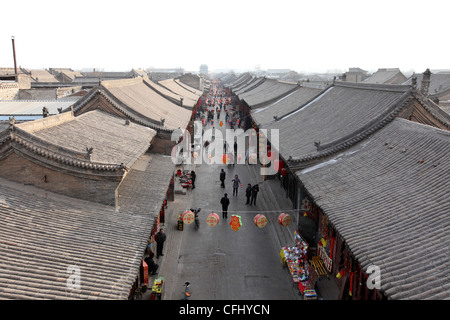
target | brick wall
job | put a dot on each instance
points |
(95, 188)
(9, 90)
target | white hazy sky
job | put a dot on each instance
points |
(302, 35)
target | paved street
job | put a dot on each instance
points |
(222, 264)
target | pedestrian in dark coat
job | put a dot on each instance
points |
(255, 190)
(222, 178)
(193, 176)
(248, 193)
(225, 202)
(160, 239)
(152, 266)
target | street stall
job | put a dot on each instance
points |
(157, 288)
(295, 258)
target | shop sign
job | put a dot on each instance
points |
(327, 262)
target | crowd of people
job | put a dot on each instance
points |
(217, 101)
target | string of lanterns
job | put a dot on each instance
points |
(259, 220)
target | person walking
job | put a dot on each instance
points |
(255, 190)
(225, 202)
(248, 193)
(160, 239)
(222, 178)
(193, 176)
(236, 183)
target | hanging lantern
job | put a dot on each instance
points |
(212, 219)
(272, 155)
(195, 154)
(188, 217)
(221, 123)
(260, 220)
(284, 172)
(235, 222)
(284, 219)
(279, 164)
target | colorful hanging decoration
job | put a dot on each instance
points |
(279, 164)
(350, 290)
(221, 123)
(260, 220)
(284, 219)
(212, 219)
(235, 222)
(188, 217)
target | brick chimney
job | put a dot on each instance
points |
(425, 82)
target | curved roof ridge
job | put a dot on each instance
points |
(374, 86)
(132, 114)
(61, 154)
(357, 135)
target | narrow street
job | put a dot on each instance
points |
(222, 264)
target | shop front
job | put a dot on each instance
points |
(295, 258)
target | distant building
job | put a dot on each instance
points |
(355, 75)
(387, 76)
(159, 74)
(439, 88)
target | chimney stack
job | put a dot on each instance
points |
(425, 82)
(14, 55)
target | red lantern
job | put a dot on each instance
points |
(213, 219)
(279, 164)
(284, 219)
(284, 172)
(188, 217)
(260, 220)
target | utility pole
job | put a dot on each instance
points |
(14, 55)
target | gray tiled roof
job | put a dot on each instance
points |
(388, 197)
(292, 101)
(267, 91)
(112, 141)
(439, 82)
(239, 81)
(144, 189)
(248, 85)
(174, 86)
(43, 234)
(188, 102)
(386, 75)
(32, 107)
(339, 117)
